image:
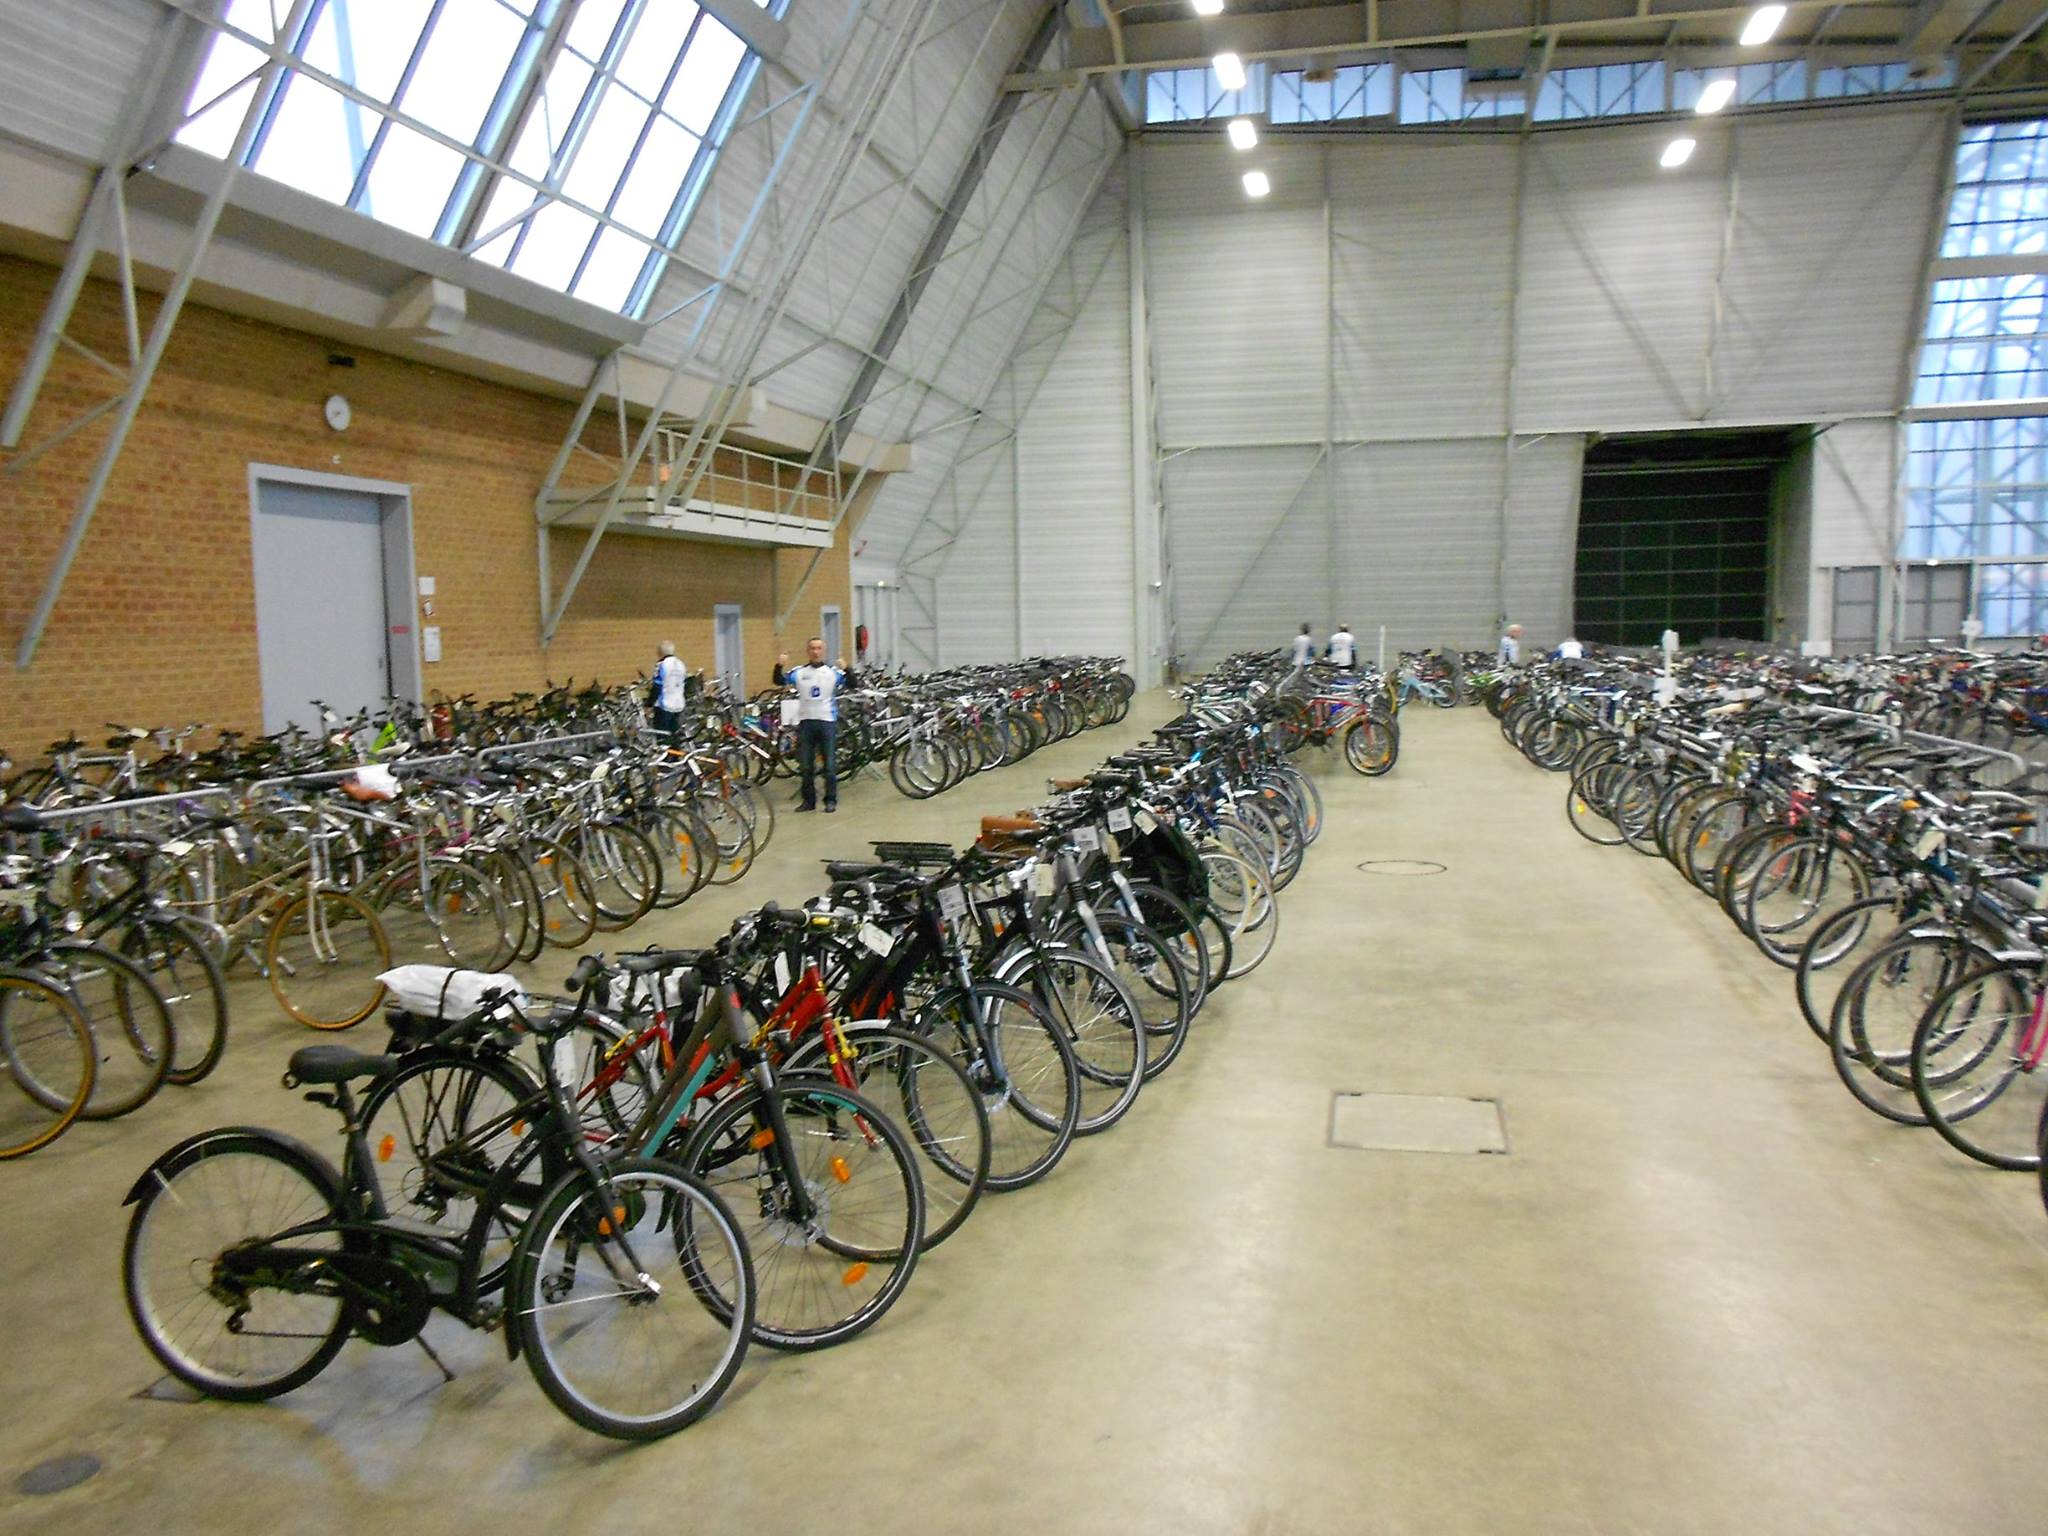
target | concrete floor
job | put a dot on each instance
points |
(1705, 1292)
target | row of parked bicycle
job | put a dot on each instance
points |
(696, 1150)
(933, 730)
(1900, 876)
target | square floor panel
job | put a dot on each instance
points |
(1415, 1122)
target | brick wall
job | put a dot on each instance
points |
(157, 623)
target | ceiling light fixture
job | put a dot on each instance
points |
(1229, 71)
(1714, 95)
(1255, 184)
(1676, 153)
(1208, 7)
(1242, 134)
(1762, 25)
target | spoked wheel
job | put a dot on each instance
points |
(1977, 1067)
(46, 1063)
(131, 1027)
(634, 1300)
(324, 954)
(1019, 1061)
(214, 1328)
(1098, 1018)
(830, 1261)
(185, 976)
(1242, 894)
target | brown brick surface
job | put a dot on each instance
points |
(157, 624)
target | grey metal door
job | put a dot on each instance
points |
(1937, 601)
(320, 623)
(829, 632)
(728, 655)
(1854, 625)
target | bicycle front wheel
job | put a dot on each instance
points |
(633, 1300)
(46, 1063)
(325, 952)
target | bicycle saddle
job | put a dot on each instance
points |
(335, 1064)
(854, 869)
(20, 817)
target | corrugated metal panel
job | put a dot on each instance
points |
(1238, 300)
(1618, 262)
(1854, 480)
(1421, 244)
(1824, 282)
(1418, 533)
(1076, 474)
(67, 70)
(1543, 532)
(978, 588)
(1247, 532)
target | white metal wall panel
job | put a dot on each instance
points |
(977, 590)
(1543, 536)
(67, 70)
(1855, 474)
(1824, 284)
(1075, 473)
(1618, 262)
(1422, 232)
(1417, 539)
(1238, 298)
(1247, 534)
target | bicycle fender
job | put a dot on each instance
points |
(178, 1155)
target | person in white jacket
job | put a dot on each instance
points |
(817, 686)
(670, 680)
(1343, 649)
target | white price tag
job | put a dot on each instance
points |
(1111, 846)
(1119, 819)
(601, 772)
(1144, 820)
(564, 1050)
(1929, 843)
(876, 939)
(1042, 878)
(177, 848)
(952, 903)
(1086, 839)
(782, 976)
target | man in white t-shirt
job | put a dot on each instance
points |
(1511, 646)
(1304, 647)
(816, 686)
(670, 680)
(1343, 647)
(1571, 649)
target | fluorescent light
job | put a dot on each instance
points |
(1714, 95)
(1208, 7)
(1676, 153)
(1762, 25)
(1242, 134)
(1229, 71)
(1255, 184)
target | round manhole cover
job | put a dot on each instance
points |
(58, 1474)
(1400, 867)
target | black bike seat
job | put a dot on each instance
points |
(337, 1064)
(20, 817)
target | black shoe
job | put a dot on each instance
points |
(830, 807)
(807, 807)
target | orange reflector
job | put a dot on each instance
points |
(454, 904)
(518, 1127)
(618, 1215)
(855, 1273)
(385, 1148)
(761, 1139)
(840, 1171)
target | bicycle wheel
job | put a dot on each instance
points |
(633, 1301)
(1976, 1067)
(732, 839)
(568, 915)
(132, 1033)
(1179, 927)
(324, 954)
(1020, 1063)
(449, 913)
(1838, 944)
(1243, 896)
(189, 981)
(679, 842)
(1800, 885)
(223, 1337)
(625, 872)
(46, 1063)
(924, 1091)
(439, 1130)
(1588, 806)
(1878, 1013)
(1371, 747)
(830, 1272)
(1150, 972)
(1100, 1021)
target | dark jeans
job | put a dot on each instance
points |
(813, 738)
(666, 721)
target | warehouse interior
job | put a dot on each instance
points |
(442, 356)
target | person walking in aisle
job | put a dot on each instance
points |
(671, 679)
(1304, 647)
(1510, 651)
(817, 723)
(1343, 649)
